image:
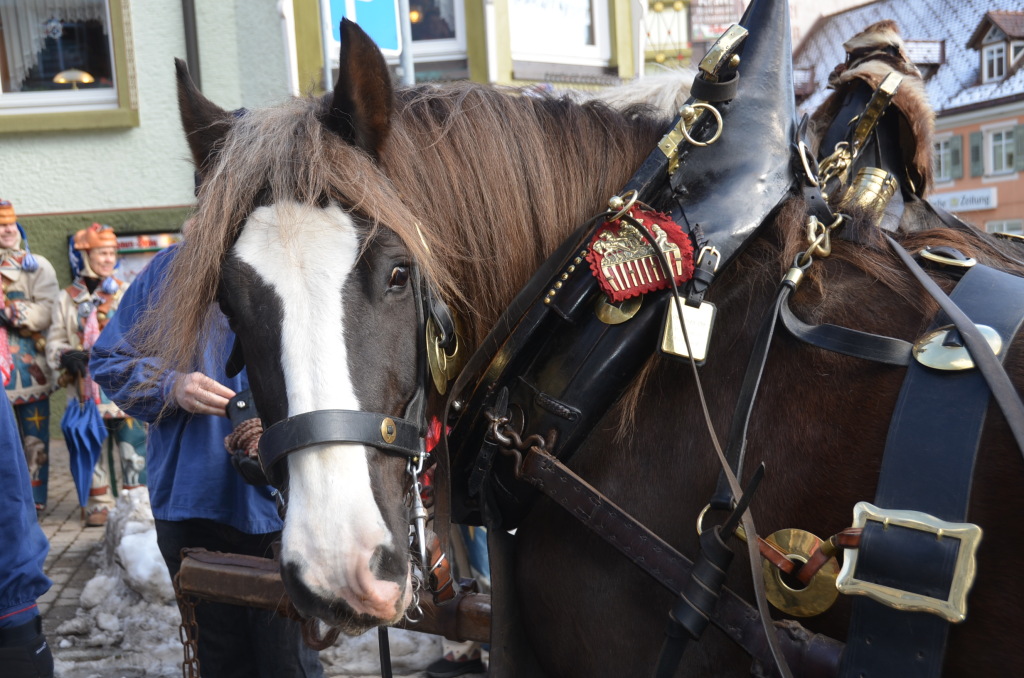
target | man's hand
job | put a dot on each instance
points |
(199, 394)
(75, 362)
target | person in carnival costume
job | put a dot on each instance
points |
(82, 310)
(29, 292)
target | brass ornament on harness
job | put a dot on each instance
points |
(721, 55)
(837, 165)
(870, 192)
(939, 350)
(614, 314)
(698, 323)
(388, 430)
(444, 367)
(810, 600)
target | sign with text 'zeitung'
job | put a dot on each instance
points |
(966, 201)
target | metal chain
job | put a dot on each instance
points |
(188, 632)
(819, 238)
(418, 535)
(511, 444)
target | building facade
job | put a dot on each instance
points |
(971, 54)
(112, 149)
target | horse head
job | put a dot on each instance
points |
(318, 289)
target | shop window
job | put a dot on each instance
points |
(62, 65)
(569, 31)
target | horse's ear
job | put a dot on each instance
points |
(205, 123)
(360, 110)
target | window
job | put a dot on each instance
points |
(948, 158)
(1013, 226)
(560, 31)
(63, 66)
(993, 61)
(1016, 51)
(438, 29)
(1001, 151)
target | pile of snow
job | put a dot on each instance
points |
(127, 622)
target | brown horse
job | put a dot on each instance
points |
(309, 219)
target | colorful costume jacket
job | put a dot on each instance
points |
(78, 318)
(29, 297)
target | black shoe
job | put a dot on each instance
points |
(24, 652)
(446, 668)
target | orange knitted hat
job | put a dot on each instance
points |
(97, 235)
(7, 215)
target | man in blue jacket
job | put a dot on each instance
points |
(198, 498)
(24, 652)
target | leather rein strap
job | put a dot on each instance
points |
(739, 620)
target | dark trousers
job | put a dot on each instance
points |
(236, 641)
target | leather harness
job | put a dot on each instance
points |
(532, 348)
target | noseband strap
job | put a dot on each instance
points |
(397, 436)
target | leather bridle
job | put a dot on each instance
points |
(399, 436)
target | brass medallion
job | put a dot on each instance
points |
(615, 314)
(808, 601)
(931, 349)
(388, 430)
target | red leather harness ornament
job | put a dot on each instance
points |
(625, 262)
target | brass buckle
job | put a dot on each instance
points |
(953, 609)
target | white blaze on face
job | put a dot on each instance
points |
(334, 525)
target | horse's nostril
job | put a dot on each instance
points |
(386, 563)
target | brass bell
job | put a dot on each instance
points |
(785, 592)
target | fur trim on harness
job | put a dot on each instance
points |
(871, 55)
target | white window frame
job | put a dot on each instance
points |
(1006, 142)
(1016, 51)
(598, 54)
(943, 161)
(68, 101)
(1012, 226)
(446, 49)
(993, 62)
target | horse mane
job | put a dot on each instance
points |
(474, 180)
(520, 174)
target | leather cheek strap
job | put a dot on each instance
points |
(398, 436)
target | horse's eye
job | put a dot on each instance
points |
(399, 276)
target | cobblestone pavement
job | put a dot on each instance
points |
(68, 563)
(70, 566)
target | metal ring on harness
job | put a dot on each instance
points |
(718, 130)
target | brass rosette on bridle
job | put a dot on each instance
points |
(444, 366)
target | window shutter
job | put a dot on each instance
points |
(956, 157)
(977, 158)
(1018, 148)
